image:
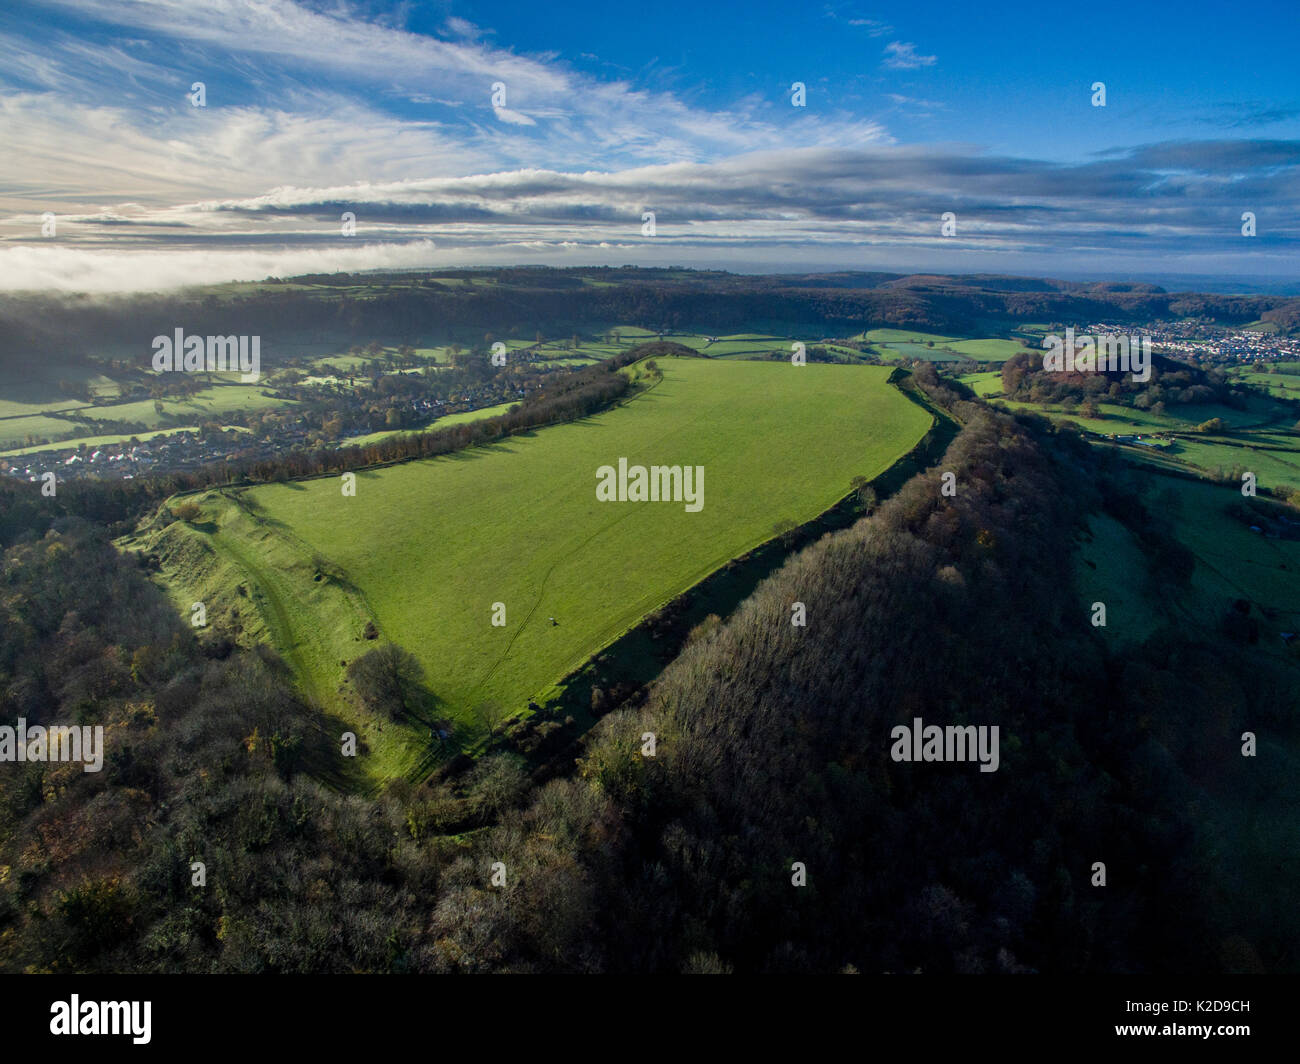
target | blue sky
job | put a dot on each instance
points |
(387, 111)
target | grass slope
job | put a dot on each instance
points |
(426, 548)
(1231, 563)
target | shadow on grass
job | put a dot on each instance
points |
(445, 737)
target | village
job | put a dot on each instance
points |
(188, 449)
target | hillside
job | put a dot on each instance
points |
(425, 549)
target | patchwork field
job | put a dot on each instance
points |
(1260, 439)
(82, 421)
(426, 548)
(34, 410)
(904, 343)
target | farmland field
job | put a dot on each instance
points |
(210, 403)
(985, 385)
(991, 350)
(894, 351)
(16, 408)
(1284, 383)
(1255, 439)
(886, 336)
(904, 343)
(426, 548)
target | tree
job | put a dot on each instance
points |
(492, 713)
(98, 915)
(387, 679)
(497, 782)
(866, 493)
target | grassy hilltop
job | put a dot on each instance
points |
(426, 548)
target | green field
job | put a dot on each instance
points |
(1272, 468)
(895, 344)
(1255, 439)
(1111, 568)
(1283, 385)
(213, 403)
(761, 346)
(985, 384)
(912, 336)
(14, 432)
(425, 548)
(899, 351)
(1231, 563)
(991, 350)
(16, 408)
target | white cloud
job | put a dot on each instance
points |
(314, 112)
(901, 55)
(79, 270)
(873, 27)
(738, 211)
(913, 101)
(300, 96)
(514, 118)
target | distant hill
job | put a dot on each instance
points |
(359, 307)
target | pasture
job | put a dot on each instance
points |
(425, 549)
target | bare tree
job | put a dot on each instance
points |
(492, 713)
